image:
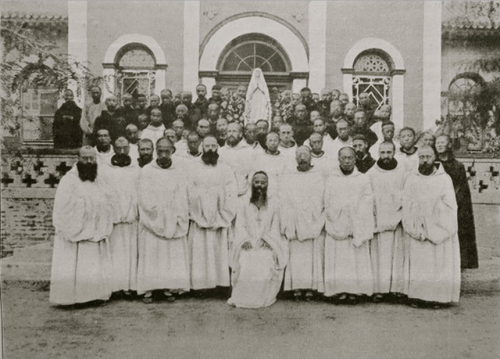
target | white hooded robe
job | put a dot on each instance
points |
(258, 272)
(387, 249)
(164, 221)
(213, 202)
(302, 223)
(349, 228)
(430, 223)
(83, 221)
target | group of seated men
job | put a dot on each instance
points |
(260, 208)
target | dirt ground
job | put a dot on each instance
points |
(209, 328)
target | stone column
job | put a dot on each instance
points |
(432, 63)
(77, 44)
(317, 45)
(191, 45)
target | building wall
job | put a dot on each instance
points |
(456, 55)
(285, 10)
(162, 20)
(399, 23)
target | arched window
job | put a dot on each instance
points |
(372, 74)
(39, 95)
(248, 52)
(463, 94)
(135, 64)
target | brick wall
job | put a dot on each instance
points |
(29, 183)
(25, 221)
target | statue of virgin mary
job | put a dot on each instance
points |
(258, 102)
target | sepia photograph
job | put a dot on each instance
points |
(250, 179)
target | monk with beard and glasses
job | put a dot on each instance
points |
(120, 182)
(83, 221)
(387, 248)
(260, 254)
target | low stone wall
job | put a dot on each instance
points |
(29, 182)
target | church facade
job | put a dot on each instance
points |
(436, 63)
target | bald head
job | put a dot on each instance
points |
(121, 146)
(86, 153)
(171, 135)
(303, 158)
(181, 111)
(111, 103)
(210, 144)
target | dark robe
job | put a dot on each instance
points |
(311, 105)
(66, 127)
(194, 115)
(221, 141)
(370, 112)
(324, 108)
(363, 165)
(202, 105)
(167, 113)
(302, 129)
(466, 228)
(115, 123)
(212, 100)
(331, 127)
(370, 136)
(130, 115)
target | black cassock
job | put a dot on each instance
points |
(466, 228)
(66, 127)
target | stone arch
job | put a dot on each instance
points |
(217, 41)
(371, 43)
(148, 41)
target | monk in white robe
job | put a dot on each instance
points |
(321, 160)
(387, 134)
(155, 129)
(387, 248)
(319, 126)
(213, 203)
(239, 156)
(302, 223)
(260, 252)
(287, 145)
(407, 154)
(133, 137)
(120, 182)
(342, 140)
(164, 221)
(272, 162)
(349, 229)
(103, 148)
(430, 224)
(83, 221)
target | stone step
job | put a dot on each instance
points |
(13, 269)
(40, 253)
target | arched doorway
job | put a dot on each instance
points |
(248, 52)
(274, 34)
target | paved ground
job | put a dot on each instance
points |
(209, 328)
(194, 328)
